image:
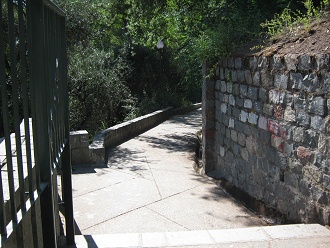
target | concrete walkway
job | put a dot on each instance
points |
(149, 195)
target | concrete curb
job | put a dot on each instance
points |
(244, 237)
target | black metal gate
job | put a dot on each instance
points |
(34, 125)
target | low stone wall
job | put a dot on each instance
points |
(83, 153)
(266, 130)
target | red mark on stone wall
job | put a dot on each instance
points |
(273, 127)
(276, 129)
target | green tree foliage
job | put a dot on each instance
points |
(97, 88)
(149, 78)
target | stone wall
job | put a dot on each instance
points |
(266, 130)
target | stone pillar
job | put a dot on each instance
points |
(79, 145)
(208, 115)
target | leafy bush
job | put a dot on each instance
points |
(97, 89)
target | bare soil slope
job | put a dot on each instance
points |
(311, 39)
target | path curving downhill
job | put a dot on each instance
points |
(149, 194)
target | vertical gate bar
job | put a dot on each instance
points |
(59, 81)
(67, 169)
(22, 37)
(8, 146)
(3, 229)
(32, 89)
(41, 122)
(13, 73)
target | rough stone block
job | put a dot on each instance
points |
(223, 87)
(253, 118)
(311, 138)
(304, 62)
(268, 109)
(296, 80)
(276, 62)
(325, 83)
(231, 100)
(231, 123)
(222, 151)
(266, 78)
(244, 91)
(241, 139)
(263, 94)
(236, 149)
(218, 85)
(230, 87)
(253, 63)
(270, 154)
(258, 107)
(225, 98)
(231, 62)
(233, 77)
(287, 149)
(274, 96)
(289, 115)
(243, 116)
(256, 78)
(223, 108)
(238, 63)
(248, 103)
(221, 97)
(291, 62)
(235, 113)
(222, 74)
(251, 145)
(234, 136)
(298, 134)
(235, 89)
(322, 61)
(241, 76)
(288, 100)
(299, 102)
(253, 93)
(317, 123)
(263, 62)
(303, 153)
(311, 83)
(317, 105)
(291, 179)
(276, 142)
(324, 144)
(239, 102)
(245, 154)
(281, 81)
(248, 77)
(263, 122)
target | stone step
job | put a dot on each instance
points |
(297, 235)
